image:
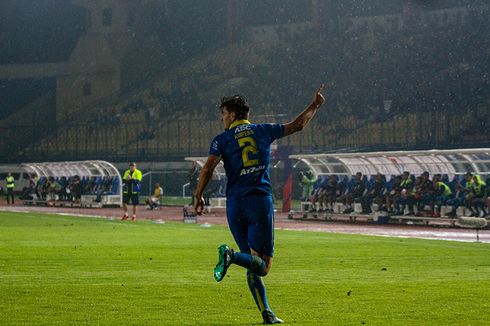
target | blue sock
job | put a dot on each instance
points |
(248, 261)
(257, 287)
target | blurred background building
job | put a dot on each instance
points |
(141, 80)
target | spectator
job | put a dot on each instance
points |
(477, 199)
(307, 180)
(131, 189)
(10, 183)
(355, 193)
(76, 189)
(442, 194)
(457, 200)
(32, 182)
(426, 194)
(318, 193)
(376, 194)
(26, 194)
(53, 189)
(37, 188)
(107, 185)
(63, 195)
(416, 197)
(103, 186)
(394, 194)
(154, 200)
(90, 187)
(407, 184)
(332, 192)
(42, 188)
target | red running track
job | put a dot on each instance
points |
(281, 222)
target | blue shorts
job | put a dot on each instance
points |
(251, 221)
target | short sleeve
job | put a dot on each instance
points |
(276, 131)
(214, 149)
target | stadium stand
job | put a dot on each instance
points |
(385, 80)
(393, 82)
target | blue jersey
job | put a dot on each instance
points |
(245, 151)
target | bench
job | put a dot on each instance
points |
(31, 202)
(218, 202)
(404, 219)
(377, 217)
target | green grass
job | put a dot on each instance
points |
(73, 270)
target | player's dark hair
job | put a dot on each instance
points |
(237, 104)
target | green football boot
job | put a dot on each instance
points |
(224, 261)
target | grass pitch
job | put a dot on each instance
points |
(74, 270)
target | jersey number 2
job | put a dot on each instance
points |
(249, 146)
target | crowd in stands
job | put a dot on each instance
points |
(380, 72)
(403, 194)
(71, 189)
(374, 73)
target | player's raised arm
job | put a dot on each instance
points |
(304, 117)
(204, 176)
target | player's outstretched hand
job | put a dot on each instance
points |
(199, 205)
(318, 98)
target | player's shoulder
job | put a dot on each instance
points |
(272, 130)
(222, 135)
(220, 140)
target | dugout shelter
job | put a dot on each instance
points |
(105, 188)
(216, 189)
(454, 162)
(452, 165)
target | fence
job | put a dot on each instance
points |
(176, 139)
(171, 182)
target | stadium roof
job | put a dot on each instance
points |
(450, 162)
(69, 169)
(218, 171)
